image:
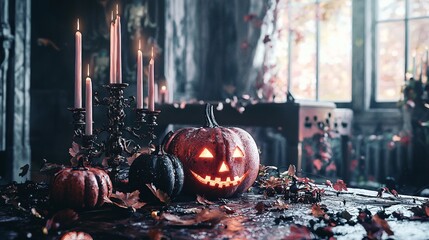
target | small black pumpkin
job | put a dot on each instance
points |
(164, 170)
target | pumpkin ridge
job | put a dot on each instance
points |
(101, 189)
(89, 191)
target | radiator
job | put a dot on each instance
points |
(376, 157)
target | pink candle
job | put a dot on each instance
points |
(139, 78)
(78, 69)
(151, 104)
(88, 105)
(118, 47)
(112, 52)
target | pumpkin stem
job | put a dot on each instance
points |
(210, 119)
(161, 149)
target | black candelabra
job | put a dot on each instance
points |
(120, 141)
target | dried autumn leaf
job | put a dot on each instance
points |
(212, 217)
(260, 207)
(203, 201)
(291, 170)
(227, 209)
(162, 196)
(317, 211)
(328, 183)
(383, 223)
(126, 200)
(280, 205)
(74, 150)
(340, 185)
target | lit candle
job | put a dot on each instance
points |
(78, 69)
(118, 47)
(163, 92)
(139, 77)
(151, 103)
(88, 105)
(112, 51)
(414, 64)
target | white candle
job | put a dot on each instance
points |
(78, 69)
(118, 47)
(112, 52)
(88, 105)
(151, 100)
(139, 78)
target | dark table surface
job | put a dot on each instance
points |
(250, 216)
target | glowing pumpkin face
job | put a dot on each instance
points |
(218, 161)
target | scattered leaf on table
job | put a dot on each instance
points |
(340, 185)
(383, 223)
(203, 201)
(126, 200)
(212, 217)
(227, 209)
(291, 170)
(162, 196)
(260, 207)
(317, 211)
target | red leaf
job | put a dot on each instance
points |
(317, 211)
(328, 183)
(383, 224)
(340, 185)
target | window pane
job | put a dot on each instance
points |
(303, 50)
(419, 8)
(388, 9)
(335, 51)
(419, 39)
(391, 62)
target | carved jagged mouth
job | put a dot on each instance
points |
(218, 181)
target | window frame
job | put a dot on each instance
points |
(374, 40)
(342, 104)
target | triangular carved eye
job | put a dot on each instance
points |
(206, 154)
(237, 153)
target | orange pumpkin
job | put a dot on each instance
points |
(218, 161)
(80, 188)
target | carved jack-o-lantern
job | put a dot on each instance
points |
(218, 161)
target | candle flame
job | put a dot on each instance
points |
(88, 70)
(414, 53)
(112, 17)
(426, 48)
(140, 44)
(152, 52)
(163, 88)
(78, 24)
(117, 9)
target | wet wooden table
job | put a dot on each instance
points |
(250, 216)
